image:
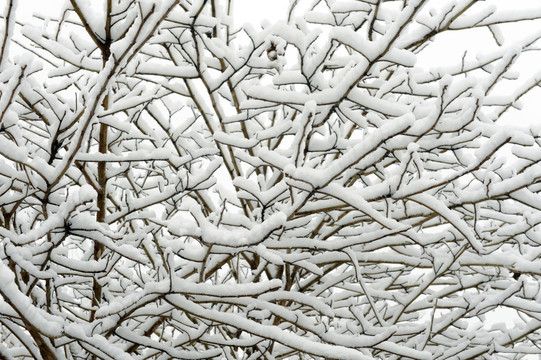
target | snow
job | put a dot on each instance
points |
(385, 107)
(272, 332)
(318, 184)
(269, 255)
(403, 350)
(434, 204)
(213, 235)
(48, 324)
(138, 155)
(230, 139)
(167, 71)
(129, 335)
(187, 287)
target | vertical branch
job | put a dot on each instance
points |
(8, 29)
(373, 21)
(102, 165)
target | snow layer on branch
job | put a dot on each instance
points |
(163, 154)
(379, 105)
(166, 70)
(187, 287)
(321, 177)
(234, 140)
(273, 332)
(60, 51)
(438, 206)
(45, 323)
(212, 235)
(128, 334)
